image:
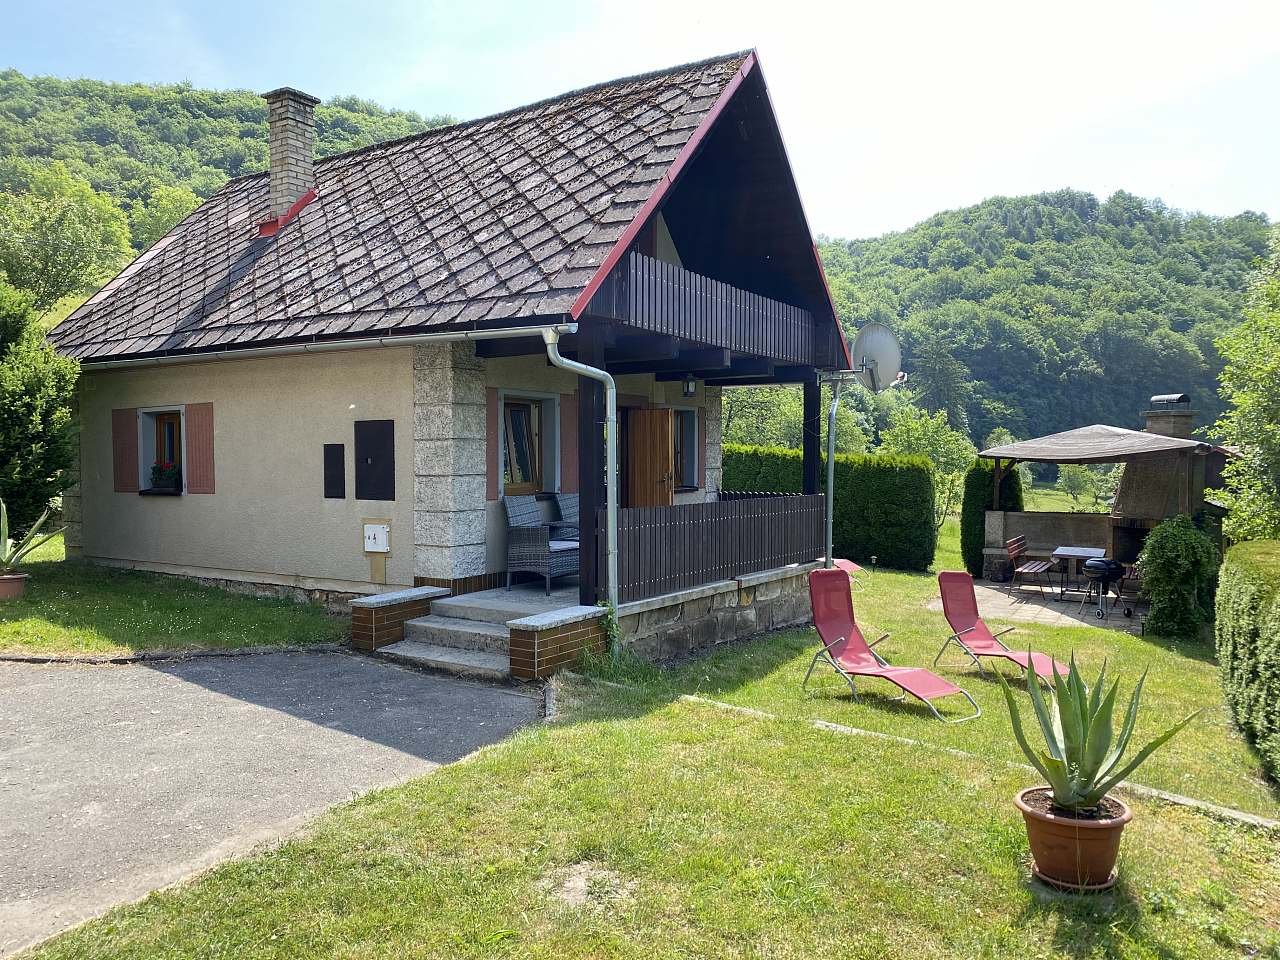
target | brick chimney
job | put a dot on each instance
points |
(291, 116)
(1170, 415)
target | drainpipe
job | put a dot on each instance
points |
(552, 337)
(828, 562)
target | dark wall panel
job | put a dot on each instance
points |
(375, 460)
(335, 471)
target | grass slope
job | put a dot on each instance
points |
(79, 608)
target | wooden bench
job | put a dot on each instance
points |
(1024, 566)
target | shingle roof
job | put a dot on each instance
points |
(498, 218)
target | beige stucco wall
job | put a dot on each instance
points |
(268, 520)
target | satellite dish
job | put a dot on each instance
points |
(877, 357)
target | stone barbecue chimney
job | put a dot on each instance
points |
(291, 115)
(1170, 415)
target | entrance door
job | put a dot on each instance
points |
(650, 463)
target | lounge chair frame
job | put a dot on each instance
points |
(824, 655)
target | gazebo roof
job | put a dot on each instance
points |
(1098, 443)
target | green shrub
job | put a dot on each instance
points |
(1179, 577)
(977, 501)
(883, 502)
(37, 429)
(1247, 632)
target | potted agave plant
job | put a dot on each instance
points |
(12, 583)
(1074, 824)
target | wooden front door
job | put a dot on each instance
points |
(650, 464)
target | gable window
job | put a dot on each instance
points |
(684, 439)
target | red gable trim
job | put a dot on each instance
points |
(269, 228)
(660, 191)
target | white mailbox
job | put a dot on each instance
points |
(377, 538)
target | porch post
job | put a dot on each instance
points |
(997, 475)
(590, 464)
(811, 436)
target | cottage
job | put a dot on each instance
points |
(342, 377)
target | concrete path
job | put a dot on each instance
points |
(1028, 606)
(117, 780)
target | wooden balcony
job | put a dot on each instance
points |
(663, 549)
(661, 298)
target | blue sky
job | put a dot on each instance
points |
(891, 111)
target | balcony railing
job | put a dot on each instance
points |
(662, 298)
(663, 549)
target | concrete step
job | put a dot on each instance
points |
(460, 633)
(500, 606)
(463, 663)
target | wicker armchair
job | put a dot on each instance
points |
(530, 548)
(566, 528)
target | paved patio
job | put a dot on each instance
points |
(1028, 606)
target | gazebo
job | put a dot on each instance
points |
(1165, 474)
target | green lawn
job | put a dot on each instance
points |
(1046, 497)
(1208, 760)
(79, 608)
(706, 833)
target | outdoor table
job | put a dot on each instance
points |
(1066, 556)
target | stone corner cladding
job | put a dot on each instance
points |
(448, 461)
(733, 613)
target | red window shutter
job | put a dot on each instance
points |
(124, 450)
(491, 443)
(568, 443)
(197, 468)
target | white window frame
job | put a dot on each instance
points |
(550, 440)
(147, 441)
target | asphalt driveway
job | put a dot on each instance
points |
(117, 780)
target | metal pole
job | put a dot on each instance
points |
(551, 335)
(831, 469)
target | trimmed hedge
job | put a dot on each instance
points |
(978, 482)
(1247, 632)
(884, 503)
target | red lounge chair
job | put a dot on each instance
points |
(849, 654)
(960, 605)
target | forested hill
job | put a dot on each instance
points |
(126, 138)
(1048, 312)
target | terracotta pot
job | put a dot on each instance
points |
(12, 585)
(1069, 853)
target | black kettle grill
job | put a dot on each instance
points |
(1102, 573)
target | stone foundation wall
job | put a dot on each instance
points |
(695, 620)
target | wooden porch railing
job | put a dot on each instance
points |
(662, 549)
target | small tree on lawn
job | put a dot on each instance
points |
(1075, 480)
(912, 431)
